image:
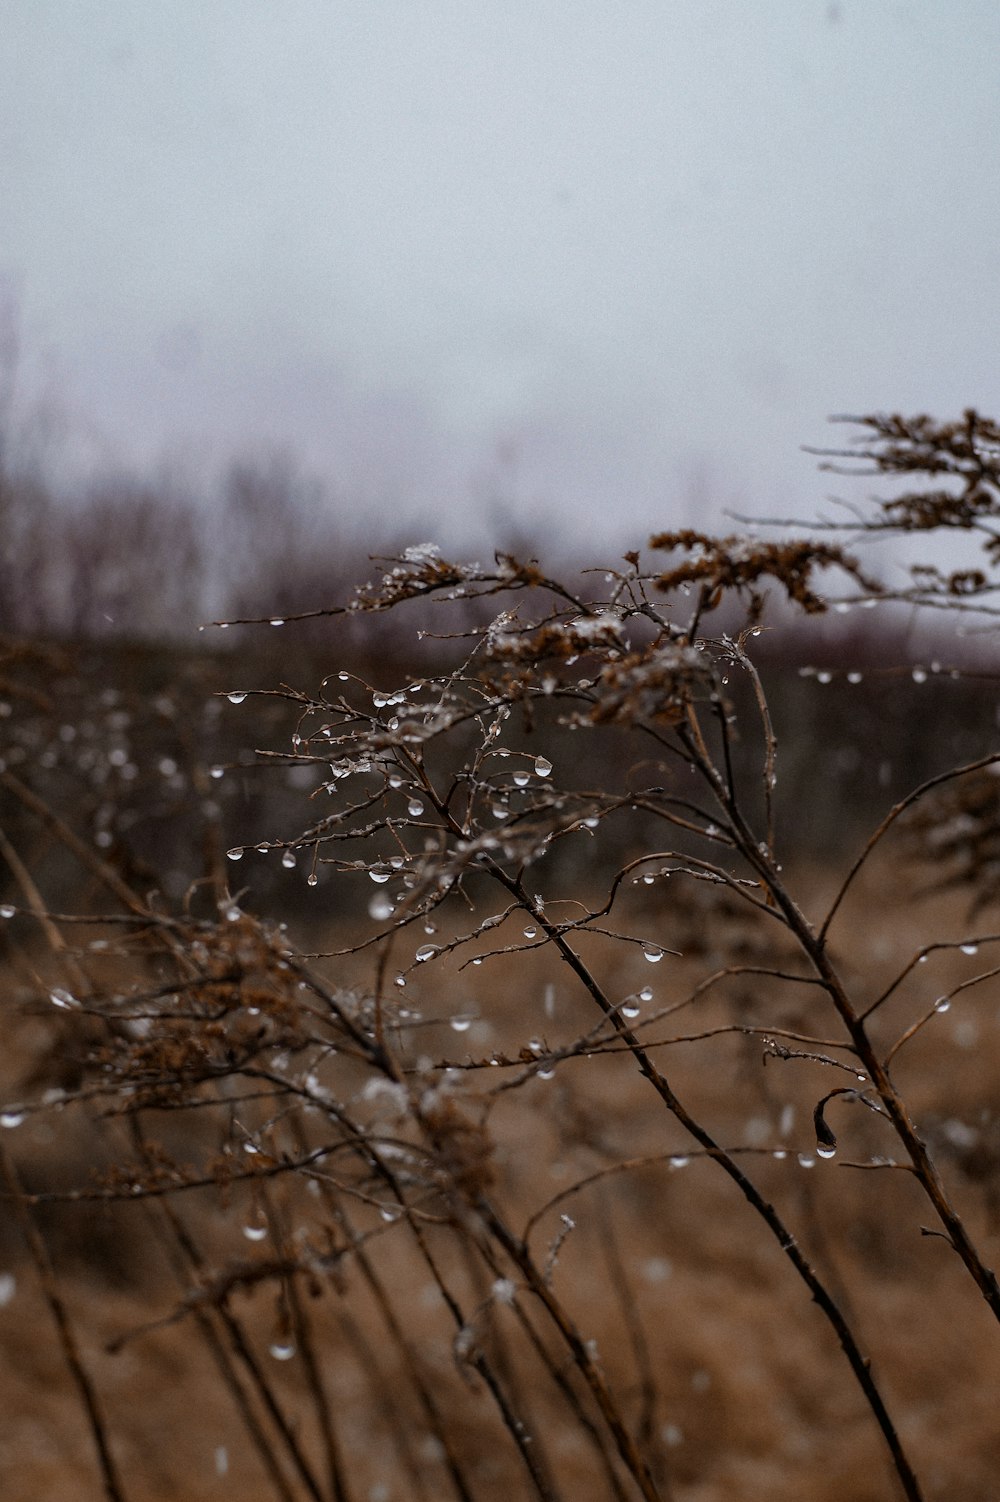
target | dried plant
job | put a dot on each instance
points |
(574, 789)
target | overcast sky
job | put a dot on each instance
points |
(610, 262)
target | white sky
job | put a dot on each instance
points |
(613, 261)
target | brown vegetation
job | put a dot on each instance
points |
(597, 1134)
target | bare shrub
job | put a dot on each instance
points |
(399, 1178)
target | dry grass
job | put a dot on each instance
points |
(751, 1393)
(601, 1149)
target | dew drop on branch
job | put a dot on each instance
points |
(236, 698)
(282, 1350)
(7, 910)
(652, 953)
(543, 766)
(288, 859)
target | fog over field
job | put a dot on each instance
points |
(487, 268)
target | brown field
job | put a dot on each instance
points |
(717, 1355)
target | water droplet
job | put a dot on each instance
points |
(312, 879)
(460, 1024)
(477, 960)
(943, 1004)
(236, 854)
(919, 675)
(255, 1230)
(426, 952)
(824, 677)
(922, 959)
(646, 994)
(530, 931)
(415, 808)
(236, 698)
(277, 620)
(217, 772)
(343, 677)
(7, 910)
(62, 998)
(854, 677)
(652, 953)
(680, 1160)
(379, 874)
(288, 859)
(779, 1155)
(282, 1350)
(970, 948)
(400, 981)
(543, 766)
(381, 907)
(806, 1160)
(825, 1151)
(11, 1119)
(521, 779)
(545, 1074)
(389, 1213)
(630, 1008)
